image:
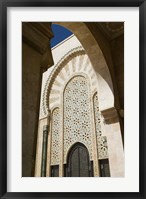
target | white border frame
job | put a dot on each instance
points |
(130, 183)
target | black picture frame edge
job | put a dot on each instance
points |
(75, 3)
(3, 102)
(142, 98)
(3, 95)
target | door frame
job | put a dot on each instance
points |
(67, 167)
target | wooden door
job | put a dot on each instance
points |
(78, 164)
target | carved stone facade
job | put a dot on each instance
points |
(77, 114)
(101, 140)
(55, 142)
(74, 92)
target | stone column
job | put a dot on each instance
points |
(61, 165)
(36, 58)
(44, 150)
(95, 162)
(48, 166)
(94, 141)
(43, 140)
(114, 141)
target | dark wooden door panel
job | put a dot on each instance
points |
(78, 163)
(84, 163)
(74, 163)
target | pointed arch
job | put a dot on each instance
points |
(78, 162)
(99, 58)
(77, 113)
(55, 136)
(98, 66)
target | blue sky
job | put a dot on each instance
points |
(60, 33)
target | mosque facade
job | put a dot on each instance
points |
(79, 133)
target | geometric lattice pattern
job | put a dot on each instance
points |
(101, 140)
(77, 115)
(55, 137)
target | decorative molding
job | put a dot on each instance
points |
(101, 140)
(77, 115)
(55, 142)
(46, 128)
(57, 68)
(114, 27)
(111, 30)
(79, 64)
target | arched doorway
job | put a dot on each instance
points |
(79, 86)
(78, 163)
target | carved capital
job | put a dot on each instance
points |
(45, 128)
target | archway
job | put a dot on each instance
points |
(78, 163)
(81, 91)
(97, 59)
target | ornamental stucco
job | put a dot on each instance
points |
(55, 142)
(56, 69)
(101, 140)
(77, 120)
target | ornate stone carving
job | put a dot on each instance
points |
(77, 116)
(57, 68)
(55, 143)
(101, 140)
(114, 27)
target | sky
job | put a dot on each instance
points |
(60, 34)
